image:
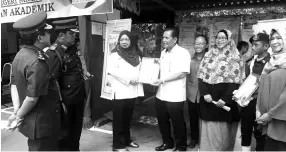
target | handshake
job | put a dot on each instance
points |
(157, 82)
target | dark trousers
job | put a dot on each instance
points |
(73, 127)
(122, 116)
(194, 119)
(43, 144)
(174, 111)
(274, 145)
(248, 124)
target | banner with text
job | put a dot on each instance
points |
(113, 29)
(13, 10)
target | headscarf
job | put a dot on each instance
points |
(129, 54)
(278, 59)
(222, 66)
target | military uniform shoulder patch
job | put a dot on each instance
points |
(42, 55)
(54, 46)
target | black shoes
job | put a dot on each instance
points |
(133, 145)
(164, 147)
(193, 144)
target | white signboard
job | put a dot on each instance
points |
(13, 10)
(268, 25)
(96, 28)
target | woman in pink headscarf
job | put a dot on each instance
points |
(271, 102)
(220, 73)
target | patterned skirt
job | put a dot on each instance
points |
(218, 136)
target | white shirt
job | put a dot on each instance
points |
(178, 60)
(252, 63)
(122, 73)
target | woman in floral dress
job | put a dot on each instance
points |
(220, 73)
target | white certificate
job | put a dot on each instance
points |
(246, 90)
(149, 70)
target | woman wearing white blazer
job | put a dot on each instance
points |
(124, 65)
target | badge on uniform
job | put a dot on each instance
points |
(64, 47)
(54, 46)
(42, 55)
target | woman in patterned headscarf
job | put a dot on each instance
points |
(271, 101)
(220, 73)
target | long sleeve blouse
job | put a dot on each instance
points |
(223, 91)
(122, 73)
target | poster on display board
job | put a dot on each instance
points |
(13, 10)
(187, 36)
(189, 30)
(217, 24)
(113, 29)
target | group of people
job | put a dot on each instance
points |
(49, 97)
(47, 88)
(207, 80)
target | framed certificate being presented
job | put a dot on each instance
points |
(246, 90)
(149, 70)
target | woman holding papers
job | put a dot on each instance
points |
(220, 73)
(124, 66)
(271, 101)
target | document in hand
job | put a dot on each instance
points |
(149, 70)
(245, 91)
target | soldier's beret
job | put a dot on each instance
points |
(66, 24)
(263, 37)
(32, 23)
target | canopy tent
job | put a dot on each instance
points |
(167, 10)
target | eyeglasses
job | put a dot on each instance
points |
(221, 38)
(200, 44)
